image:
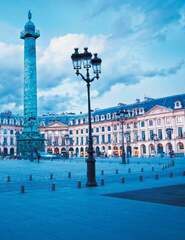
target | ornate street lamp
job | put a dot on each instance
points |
(87, 61)
(121, 116)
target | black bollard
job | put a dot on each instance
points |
(53, 187)
(79, 185)
(8, 179)
(141, 178)
(102, 182)
(122, 179)
(69, 174)
(157, 176)
(22, 189)
(51, 176)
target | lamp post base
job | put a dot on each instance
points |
(123, 159)
(91, 172)
(91, 184)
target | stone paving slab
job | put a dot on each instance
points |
(171, 195)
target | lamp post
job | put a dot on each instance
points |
(88, 61)
(121, 116)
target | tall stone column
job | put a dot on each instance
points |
(30, 74)
(30, 142)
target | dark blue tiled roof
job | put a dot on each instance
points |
(146, 105)
(58, 118)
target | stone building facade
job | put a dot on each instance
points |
(153, 126)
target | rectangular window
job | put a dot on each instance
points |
(103, 138)
(179, 119)
(115, 127)
(128, 137)
(11, 131)
(168, 120)
(70, 141)
(82, 131)
(76, 131)
(142, 124)
(82, 140)
(97, 129)
(136, 136)
(70, 132)
(150, 122)
(160, 134)
(11, 141)
(97, 140)
(128, 125)
(109, 138)
(49, 141)
(159, 121)
(86, 130)
(4, 141)
(151, 135)
(103, 129)
(180, 132)
(56, 140)
(143, 137)
(76, 140)
(109, 128)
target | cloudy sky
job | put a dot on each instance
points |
(141, 43)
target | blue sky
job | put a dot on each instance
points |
(141, 43)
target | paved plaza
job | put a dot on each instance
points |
(92, 213)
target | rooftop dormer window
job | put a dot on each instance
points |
(141, 110)
(108, 116)
(178, 105)
(102, 117)
(97, 118)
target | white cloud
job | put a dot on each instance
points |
(127, 66)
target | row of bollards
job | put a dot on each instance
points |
(30, 177)
(102, 181)
(51, 176)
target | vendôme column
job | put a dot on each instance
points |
(30, 142)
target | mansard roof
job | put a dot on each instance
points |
(168, 102)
